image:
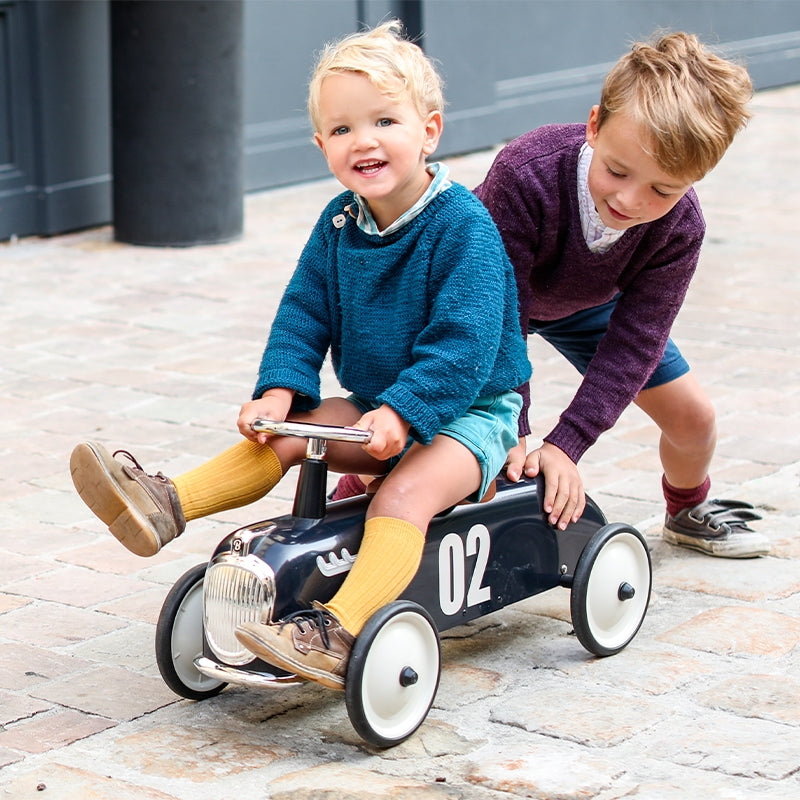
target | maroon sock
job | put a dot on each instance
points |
(348, 486)
(678, 499)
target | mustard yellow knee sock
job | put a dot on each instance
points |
(237, 476)
(387, 560)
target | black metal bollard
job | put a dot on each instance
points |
(177, 120)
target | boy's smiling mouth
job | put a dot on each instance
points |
(618, 215)
(369, 167)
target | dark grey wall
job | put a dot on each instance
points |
(280, 39)
(54, 118)
(509, 65)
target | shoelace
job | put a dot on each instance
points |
(136, 465)
(315, 617)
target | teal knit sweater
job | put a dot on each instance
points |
(424, 319)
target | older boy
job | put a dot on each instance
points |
(604, 231)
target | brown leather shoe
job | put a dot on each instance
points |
(142, 511)
(310, 643)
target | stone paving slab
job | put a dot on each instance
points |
(155, 349)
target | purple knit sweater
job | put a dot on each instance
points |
(531, 192)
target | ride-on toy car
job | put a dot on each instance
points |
(478, 557)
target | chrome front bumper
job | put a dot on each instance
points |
(238, 677)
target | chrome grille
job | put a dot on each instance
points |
(235, 590)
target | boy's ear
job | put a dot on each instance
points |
(320, 142)
(434, 125)
(591, 125)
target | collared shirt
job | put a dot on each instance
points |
(599, 237)
(441, 181)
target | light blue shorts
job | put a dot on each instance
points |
(488, 429)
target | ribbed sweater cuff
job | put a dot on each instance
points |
(569, 439)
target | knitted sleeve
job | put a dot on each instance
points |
(632, 346)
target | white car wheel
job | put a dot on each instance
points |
(393, 673)
(611, 589)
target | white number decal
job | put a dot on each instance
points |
(453, 569)
(478, 544)
(451, 573)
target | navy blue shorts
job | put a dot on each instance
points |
(576, 337)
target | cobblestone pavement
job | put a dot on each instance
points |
(154, 349)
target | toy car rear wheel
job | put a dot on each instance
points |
(611, 589)
(179, 638)
(393, 673)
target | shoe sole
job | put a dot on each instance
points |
(282, 661)
(719, 549)
(100, 491)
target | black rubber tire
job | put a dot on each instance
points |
(393, 674)
(611, 589)
(179, 638)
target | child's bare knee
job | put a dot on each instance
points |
(693, 425)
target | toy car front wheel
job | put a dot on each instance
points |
(393, 673)
(179, 638)
(611, 589)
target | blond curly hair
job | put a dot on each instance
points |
(689, 102)
(394, 65)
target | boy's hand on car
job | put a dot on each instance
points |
(515, 461)
(389, 432)
(564, 497)
(274, 404)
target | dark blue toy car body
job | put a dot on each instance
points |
(478, 558)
